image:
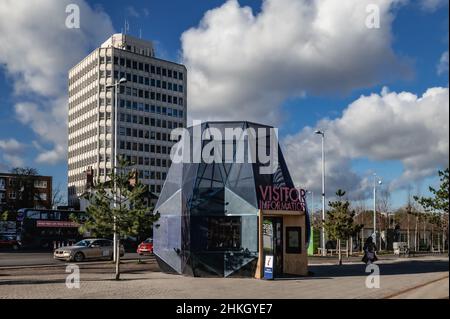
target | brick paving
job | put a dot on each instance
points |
(146, 281)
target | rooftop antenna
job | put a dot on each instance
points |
(126, 27)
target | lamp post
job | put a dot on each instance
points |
(375, 182)
(322, 133)
(312, 215)
(115, 87)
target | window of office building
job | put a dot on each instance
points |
(37, 184)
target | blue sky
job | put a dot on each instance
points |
(419, 39)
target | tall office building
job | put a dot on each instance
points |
(150, 104)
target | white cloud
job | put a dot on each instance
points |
(132, 12)
(11, 145)
(432, 5)
(37, 51)
(243, 65)
(30, 114)
(388, 126)
(15, 161)
(443, 64)
(11, 152)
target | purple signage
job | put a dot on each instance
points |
(282, 198)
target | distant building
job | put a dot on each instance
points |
(149, 198)
(20, 190)
(150, 104)
(401, 227)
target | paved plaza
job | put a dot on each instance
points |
(424, 277)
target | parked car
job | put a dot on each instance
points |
(130, 243)
(9, 242)
(96, 248)
(146, 247)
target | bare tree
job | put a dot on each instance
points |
(359, 204)
(384, 201)
(57, 196)
(409, 209)
(419, 213)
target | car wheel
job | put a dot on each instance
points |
(79, 257)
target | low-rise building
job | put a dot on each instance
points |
(25, 191)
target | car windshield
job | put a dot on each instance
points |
(148, 240)
(84, 243)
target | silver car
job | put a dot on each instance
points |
(96, 248)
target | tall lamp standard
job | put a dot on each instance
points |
(322, 133)
(375, 182)
(312, 213)
(115, 87)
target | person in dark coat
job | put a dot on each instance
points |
(369, 251)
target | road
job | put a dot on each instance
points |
(23, 258)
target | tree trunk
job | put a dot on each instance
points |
(439, 242)
(346, 248)
(425, 241)
(339, 251)
(351, 245)
(379, 240)
(386, 227)
(431, 235)
(118, 260)
(361, 243)
(415, 234)
(409, 242)
(443, 240)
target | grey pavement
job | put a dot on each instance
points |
(400, 278)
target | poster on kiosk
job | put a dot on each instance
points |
(268, 267)
(268, 249)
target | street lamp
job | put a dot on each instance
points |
(322, 133)
(312, 207)
(375, 182)
(115, 87)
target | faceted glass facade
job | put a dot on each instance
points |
(209, 211)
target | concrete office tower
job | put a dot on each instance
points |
(150, 104)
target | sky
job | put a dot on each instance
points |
(374, 80)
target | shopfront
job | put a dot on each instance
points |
(227, 217)
(282, 240)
